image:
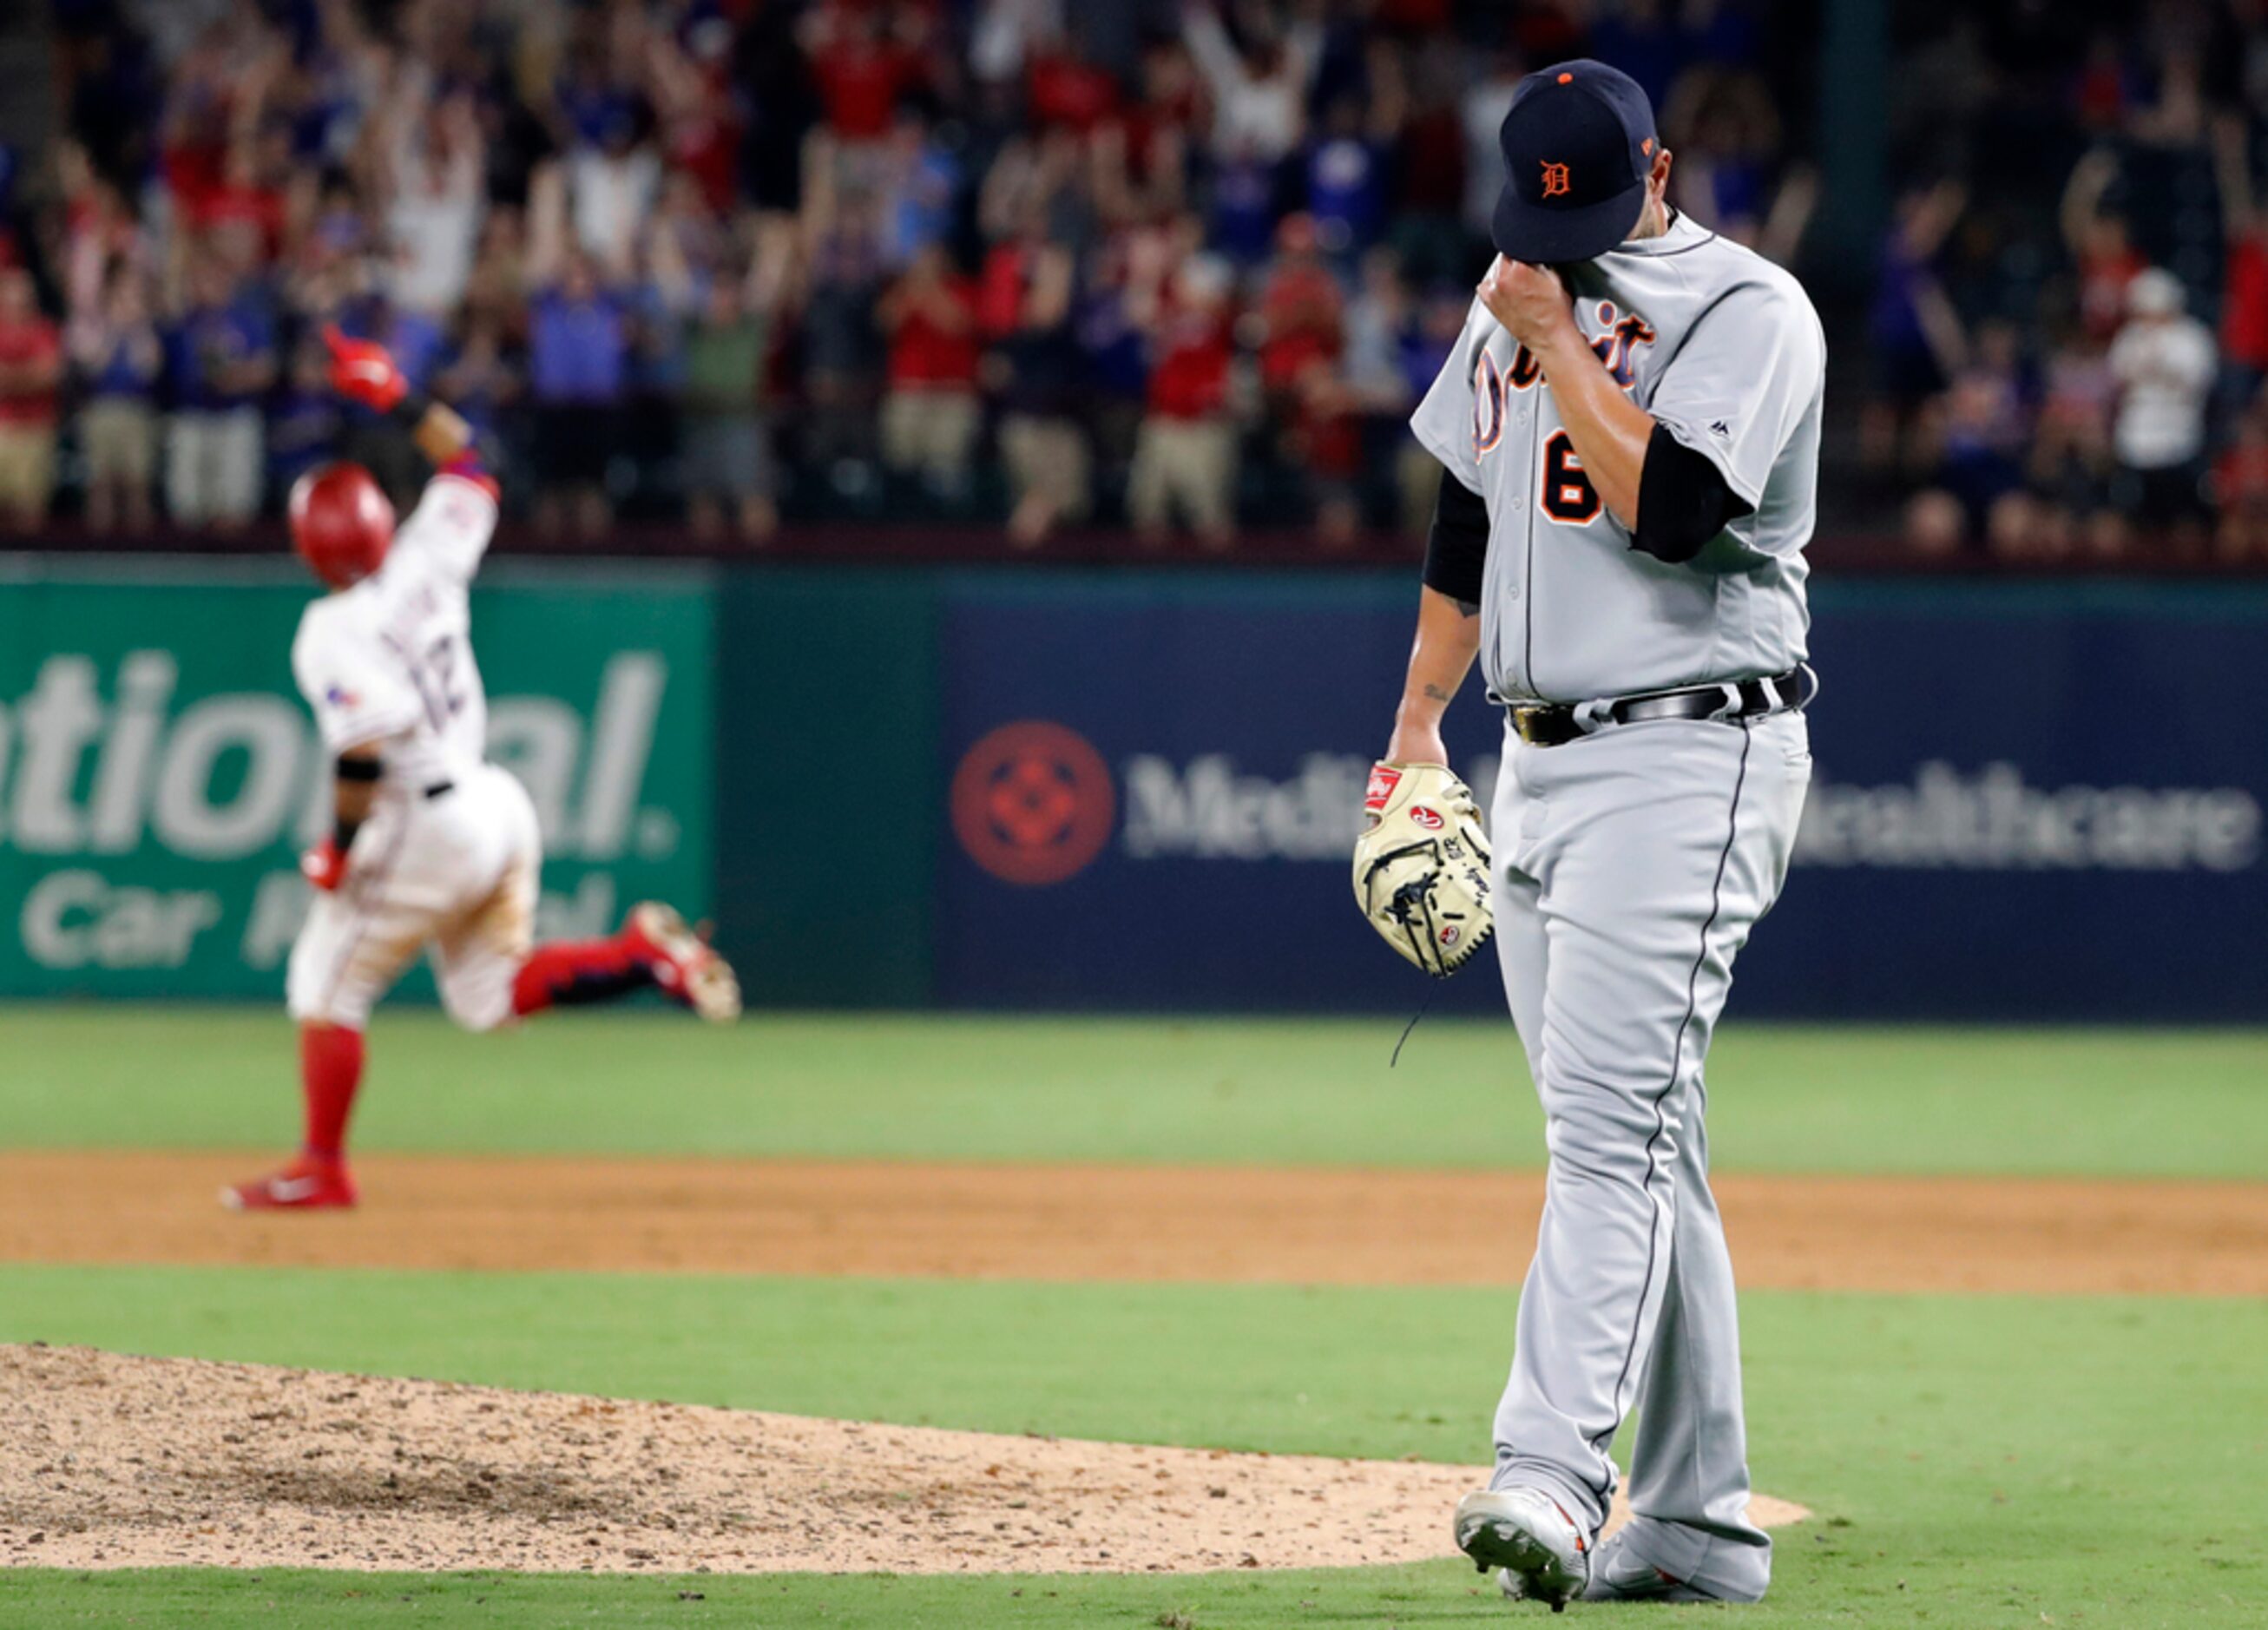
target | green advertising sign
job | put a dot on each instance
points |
(158, 775)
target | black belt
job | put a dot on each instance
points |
(1552, 723)
(440, 789)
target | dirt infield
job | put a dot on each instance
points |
(1119, 1222)
(115, 1462)
(112, 1461)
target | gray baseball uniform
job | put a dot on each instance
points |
(1633, 861)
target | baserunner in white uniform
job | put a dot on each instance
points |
(1630, 425)
(433, 848)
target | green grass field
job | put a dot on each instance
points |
(2084, 1102)
(1974, 1460)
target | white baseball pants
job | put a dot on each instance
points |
(1631, 866)
(458, 873)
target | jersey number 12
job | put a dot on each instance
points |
(437, 681)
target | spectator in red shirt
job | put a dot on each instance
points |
(1324, 439)
(2099, 243)
(1185, 452)
(193, 126)
(248, 198)
(1064, 88)
(2100, 94)
(861, 69)
(701, 128)
(930, 411)
(1141, 152)
(31, 365)
(1301, 309)
(2244, 290)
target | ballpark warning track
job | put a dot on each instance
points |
(1106, 1222)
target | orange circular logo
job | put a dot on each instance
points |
(1032, 803)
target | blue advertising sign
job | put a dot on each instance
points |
(1154, 789)
(2028, 803)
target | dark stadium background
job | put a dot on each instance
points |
(1021, 361)
(960, 535)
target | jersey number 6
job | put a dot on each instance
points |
(1567, 495)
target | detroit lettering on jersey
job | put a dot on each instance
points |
(1616, 337)
(1723, 349)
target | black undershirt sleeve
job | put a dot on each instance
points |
(1456, 551)
(1682, 500)
(359, 771)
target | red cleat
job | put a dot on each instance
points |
(303, 1185)
(684, 965)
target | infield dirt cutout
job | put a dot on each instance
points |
(116, 1462)
(1284, 1225)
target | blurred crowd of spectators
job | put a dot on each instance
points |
(1178, 264)
(1181, 263)
(2070, 330)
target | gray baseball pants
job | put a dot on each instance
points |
(1631, 866)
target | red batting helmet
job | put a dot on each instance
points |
(341, 523)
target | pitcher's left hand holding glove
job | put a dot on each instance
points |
(1421, 868)
(363, 370)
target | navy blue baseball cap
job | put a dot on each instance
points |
(1578, 144)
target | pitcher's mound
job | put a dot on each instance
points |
(116, 1461)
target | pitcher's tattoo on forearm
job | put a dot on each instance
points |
(1436, 693)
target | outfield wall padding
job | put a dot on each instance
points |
(1062, 789)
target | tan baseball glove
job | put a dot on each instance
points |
(1421, 867)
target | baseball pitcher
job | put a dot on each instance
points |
(1630, 425)
(432, 849)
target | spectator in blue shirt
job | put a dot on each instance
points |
(416, 340)
(1349, 164)
(923, 187)
(304, 423)
(579, 372)
(482, 381)
(220, 361)
(118, 357)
